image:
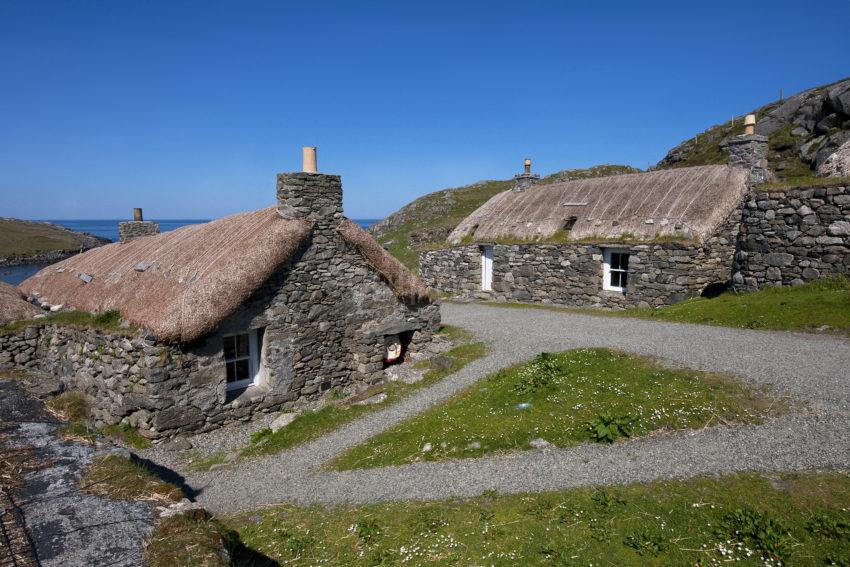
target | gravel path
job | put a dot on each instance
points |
(815, 369)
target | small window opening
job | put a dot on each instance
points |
(570, 223)
(242, 358)
(616, 270)
(395, 348)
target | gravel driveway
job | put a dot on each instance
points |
(812, 368)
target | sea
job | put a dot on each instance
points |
(107, 229)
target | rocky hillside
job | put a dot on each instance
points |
(803, 131)
(427, 221)
(23, 242)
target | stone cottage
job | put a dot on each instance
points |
(644, 239)
(257, 311)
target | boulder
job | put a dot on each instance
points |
(282, 421)
(839, 98)
(837, 164)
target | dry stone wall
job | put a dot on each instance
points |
(790, 237)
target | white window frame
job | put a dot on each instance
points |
(486, 268)
(253, 361)
(606, 269)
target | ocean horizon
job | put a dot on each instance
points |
(107, 229)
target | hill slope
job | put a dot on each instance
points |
(427, 221)
(803, 130)
(25, 241)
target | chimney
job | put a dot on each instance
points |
(749, 150)
(137, 227)
(526, 179)
(309, 195)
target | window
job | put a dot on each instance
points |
(616, 270)
(486, 268)
(570, 223)
(242, 359)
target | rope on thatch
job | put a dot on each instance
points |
(643, 205)
(407, 287)
(14, 306)
(194, 276)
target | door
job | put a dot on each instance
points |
(486, 268)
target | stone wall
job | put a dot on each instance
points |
(136, 229)
(789, 237)
(660, 273)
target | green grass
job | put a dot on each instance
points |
(564, 394)
(120, 478)
(194, 539)
(72, 407)
(800, 308)
(802, 520)
(126, 435)
(195, 462)
(27, 238)
(313, 424)
(806, 307)
(110, 321)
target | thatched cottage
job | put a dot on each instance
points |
(644, 239)
(253, 312)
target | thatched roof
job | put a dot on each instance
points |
(697, 200)
(179, 284)
(407, 286)
(14, 306)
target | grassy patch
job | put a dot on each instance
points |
(807, 180)
(120, 478)
(126, 435)
(193, 539)
(27, 238)
(805, 307)
(195, 462)
(73, 408)
(313, 424)
(106, 321)
(564, 399)
(743, 520)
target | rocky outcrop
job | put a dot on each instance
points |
(837, 164)
(804, 130)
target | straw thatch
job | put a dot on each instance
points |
(687, 202)
(14, 306)
(406, 286)
(179, 284)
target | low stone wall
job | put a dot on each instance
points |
(571, 274)
(790, 237)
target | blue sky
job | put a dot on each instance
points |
(189, 109)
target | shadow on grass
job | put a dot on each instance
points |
(168, 475)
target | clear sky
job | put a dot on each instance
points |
(189, 109)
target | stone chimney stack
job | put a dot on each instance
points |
(526, 179)
(309, 195)
(749, 150)
(137, 227)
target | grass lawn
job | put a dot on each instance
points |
(747, 520)
(24, 238)
(565, 399)
(803, 308)
(313, 424)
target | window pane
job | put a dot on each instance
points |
(241, 345)
(615, 279)
(229, 348)
(624, 261)
(624, 278)
(243, 369)
(615, 261)
(231, 371)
